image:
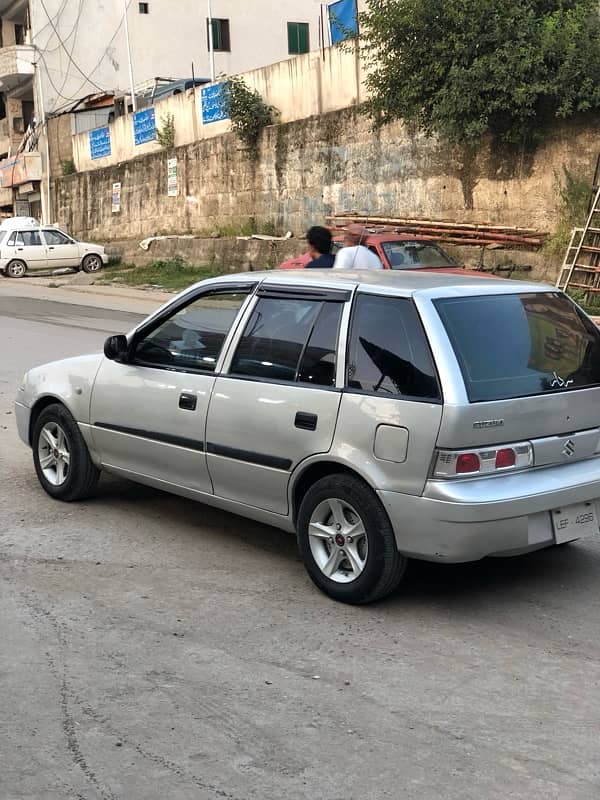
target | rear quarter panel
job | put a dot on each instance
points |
(354, 443)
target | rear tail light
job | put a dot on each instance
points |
(483, 461)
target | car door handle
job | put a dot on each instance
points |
(51, 247)
(306, 421)
(188, 401)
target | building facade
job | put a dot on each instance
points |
(82, 44)
(53, 53)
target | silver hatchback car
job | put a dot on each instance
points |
(381, 415)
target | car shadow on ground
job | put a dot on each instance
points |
(573, 567)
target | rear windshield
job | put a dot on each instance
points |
(519, 345)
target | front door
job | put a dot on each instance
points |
(62, 251)
(277, 404)
(148, 415)
(27, 246)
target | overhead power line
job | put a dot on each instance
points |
(70, 57)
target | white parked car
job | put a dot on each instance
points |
(14, 223)
(30, 248)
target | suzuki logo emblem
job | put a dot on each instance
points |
(569, 448)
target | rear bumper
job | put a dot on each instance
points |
(467, 520)
(104, 258)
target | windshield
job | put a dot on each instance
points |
(517, 345)
(416, 255)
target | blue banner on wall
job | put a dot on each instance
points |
(100, 143)
(343, 20)
(214, 104)
(144, 126)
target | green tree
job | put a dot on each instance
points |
(464, 68)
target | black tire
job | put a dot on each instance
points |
(384, 566)
(16, 269)
(91, 263)
(82, 476)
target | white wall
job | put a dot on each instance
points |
(87, 51)
(305, 86)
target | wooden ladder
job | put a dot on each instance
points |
(581, 265)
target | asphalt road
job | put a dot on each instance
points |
(154, 649)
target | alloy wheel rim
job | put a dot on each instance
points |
(93, 264)
(16, 270)
(338, 540)
(54, 454)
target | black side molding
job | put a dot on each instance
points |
(154, 436)
(262, 459)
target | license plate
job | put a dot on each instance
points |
(574, 522)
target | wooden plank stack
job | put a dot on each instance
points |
(464, 233)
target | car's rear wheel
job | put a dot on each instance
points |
(16, 269)
(61, 457)
(91, 263)
(347, 542)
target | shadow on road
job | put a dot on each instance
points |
(574, 567)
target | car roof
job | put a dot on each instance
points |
(383, 281)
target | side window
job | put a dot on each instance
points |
(12, 239)
(389, 354)
(29, 238)
(56, 237)
(290, 339)
(193, 337)
(319, 359)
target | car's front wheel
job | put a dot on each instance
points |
(347, 542)
(91, 263)
(61, 457)
(16, 269)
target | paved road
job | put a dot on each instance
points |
(152, 648)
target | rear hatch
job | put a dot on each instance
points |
(530, 363)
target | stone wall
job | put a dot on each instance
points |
(319, 166)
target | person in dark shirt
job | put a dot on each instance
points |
(319, 247)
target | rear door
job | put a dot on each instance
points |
(278, 402)
(62, 251)
(392, 404)
(27, 245)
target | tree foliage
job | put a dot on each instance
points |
(464, 68)
(248, 112)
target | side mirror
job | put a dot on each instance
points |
(116, 347)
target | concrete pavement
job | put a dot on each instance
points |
(153, 648)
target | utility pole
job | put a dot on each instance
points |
(131, 84)
(211, 43)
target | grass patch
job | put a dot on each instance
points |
(172, 274)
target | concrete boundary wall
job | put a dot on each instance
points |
(301, 87)
(322, 165)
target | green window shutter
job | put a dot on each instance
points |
(297, 38)
(303, 37)
(292, 38)
(216, 27)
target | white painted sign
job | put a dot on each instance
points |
(172, 177)
(116, 198)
